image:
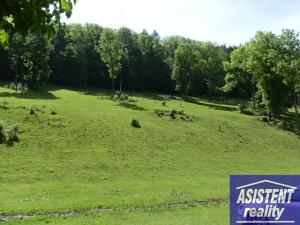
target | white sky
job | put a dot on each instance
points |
(221, 21)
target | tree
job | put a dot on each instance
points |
(237, 78)
(36, 16)
(74, 59)
(289, 65)
(211, 66)
(264, 58)
(185, 66)
(16, 58)
(35, 60)
(262, 63)
(110, 51)
(125, 39)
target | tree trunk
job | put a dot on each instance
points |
(253, 98)
(208, 88)
(22, 66)
(296, 104)
(16, 77)
(113, 85)
(121, 81)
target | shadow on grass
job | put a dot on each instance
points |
(44, 95)
(152, 96)
(290, 122)
(208, 104)
(131, 106)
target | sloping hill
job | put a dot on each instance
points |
(80, 159)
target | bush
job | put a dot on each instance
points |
(135, 123)
(244, 109)
(19, 86)
(173, 113)
(242, 106)
(33, 110)
(12, 135)
(12, 86)
(53, 112)
(4, 105)
(118, 96)
(164, 103)
(2, 134)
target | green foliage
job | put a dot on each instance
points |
(4, 39)
(269, 67)
(35, 59)
(29, 58)
(37, 16)
(198, 64)
(110, 51)
(88, 55)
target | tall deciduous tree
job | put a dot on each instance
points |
(110, 51)
(289, 65)
(35, 59)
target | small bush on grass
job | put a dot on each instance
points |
(174, 114)
(53, 112)
(135, 123)
(121, 97)
(33, 110)
(2, 134)
(12, 86)
(12, 135)
(4, 105)
(164, 103)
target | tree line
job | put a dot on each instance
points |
(265, 69)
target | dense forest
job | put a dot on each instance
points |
(265, 70)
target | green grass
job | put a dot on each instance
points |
(88, 156)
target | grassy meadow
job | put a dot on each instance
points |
(79, 161)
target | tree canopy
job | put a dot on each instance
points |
(40, 15)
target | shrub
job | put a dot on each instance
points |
(244, 109)
(34, 109)
(2, 134)
(242, 106)
(118, 96)
(173, 113)
(135, 123)
(19, 86)
(12, 135)
(4, 105)
(12, 86)
(53, 112)
(164, 103)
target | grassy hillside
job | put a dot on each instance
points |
(79, 158)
